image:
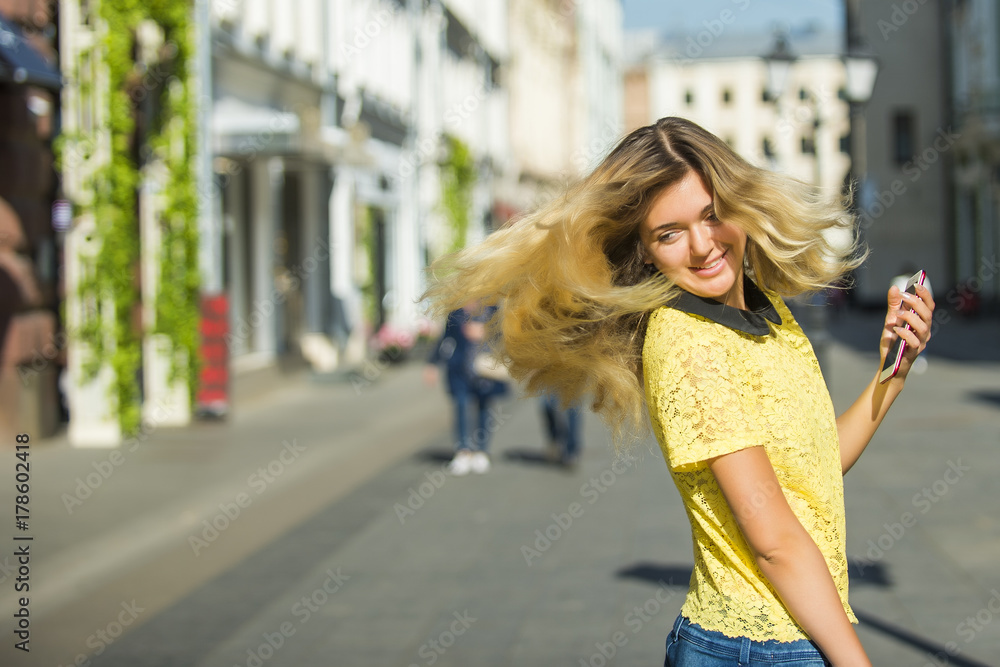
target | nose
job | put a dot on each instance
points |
(702, 240)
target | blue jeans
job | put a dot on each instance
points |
(563, 426)
(690, 645)
(465, 437)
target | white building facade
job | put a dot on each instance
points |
(329, 123)
(323, 123)
(725, 90)
(564, 77)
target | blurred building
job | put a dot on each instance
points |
(31, 353)
(335, 129)
(974, 39)
(328, 123)
(272, 81)
(721, 83)
(905, 145)
(564, 79)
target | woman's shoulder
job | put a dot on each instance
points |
(779, 304)
(670, 328)
(673, 321)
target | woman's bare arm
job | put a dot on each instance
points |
(786, 554)
(857, 425)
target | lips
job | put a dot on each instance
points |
(711, 265)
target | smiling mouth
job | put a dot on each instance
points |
(712, 265)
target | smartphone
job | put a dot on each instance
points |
(892, 360)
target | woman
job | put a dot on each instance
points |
(656, 284)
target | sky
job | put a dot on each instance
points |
(748, 15)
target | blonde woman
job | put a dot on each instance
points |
(656, 286)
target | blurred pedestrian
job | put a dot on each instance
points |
(562, 426)
(464, 338)
(657, 286)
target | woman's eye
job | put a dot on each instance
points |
(712, 217)
(667, 237)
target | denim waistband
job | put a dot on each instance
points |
(745, 649)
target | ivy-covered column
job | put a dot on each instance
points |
(136, 64)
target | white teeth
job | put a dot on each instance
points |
(710, 266)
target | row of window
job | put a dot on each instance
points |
(727, 96)
(903, 140)
(807, 145)
(903, 131)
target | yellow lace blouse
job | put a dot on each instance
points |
(712, 389)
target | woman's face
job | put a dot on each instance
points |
(684, 240)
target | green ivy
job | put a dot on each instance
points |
(458, 176)
(365, 229)
(171, 136)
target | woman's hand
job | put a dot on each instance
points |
(899, 315)
(474, 331)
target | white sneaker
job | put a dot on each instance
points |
(480, 463)
(461, 464)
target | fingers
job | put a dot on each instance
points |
(914, 345)
(923, 303)
(913, 320)
(925, 296)
(895, 297)
(895, 300)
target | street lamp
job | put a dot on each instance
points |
(779, 66)
(860, 71)
(779, 62)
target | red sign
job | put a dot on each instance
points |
(213, 385)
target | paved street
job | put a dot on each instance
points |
(316, 528)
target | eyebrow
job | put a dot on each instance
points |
(704, 212)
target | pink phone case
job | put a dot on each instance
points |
(896, 355)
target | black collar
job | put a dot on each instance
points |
(753, 321)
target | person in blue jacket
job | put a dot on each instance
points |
(464, 336)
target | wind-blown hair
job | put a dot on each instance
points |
(571, 281)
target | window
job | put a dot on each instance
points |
(903, 136)
(808, 146)
(689, 97)
(727, 96)
(767, 147)
(845, 144)
(764, 97)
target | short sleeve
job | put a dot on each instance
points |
(696, 392)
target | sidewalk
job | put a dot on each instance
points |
(361, 551)
(101, 516)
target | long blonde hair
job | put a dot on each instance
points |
(571, 280)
